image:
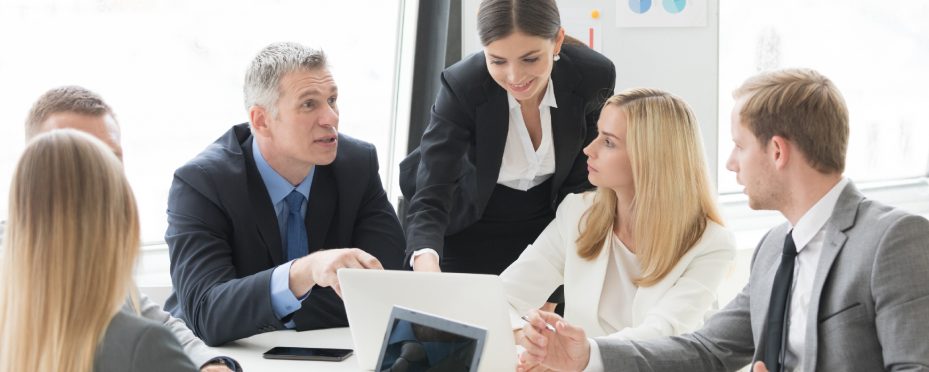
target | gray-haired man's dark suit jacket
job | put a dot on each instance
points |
(869, 306)
(224, 240)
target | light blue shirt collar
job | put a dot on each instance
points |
(278, 186)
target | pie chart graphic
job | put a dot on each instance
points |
(640, 6)
(673, 6)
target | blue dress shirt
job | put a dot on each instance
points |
(283, 301)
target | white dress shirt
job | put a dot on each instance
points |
(808, 236)
(524, 167)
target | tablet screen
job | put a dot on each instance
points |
(424, 343)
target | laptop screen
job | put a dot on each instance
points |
(419, 342)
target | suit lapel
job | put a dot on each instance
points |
(842, 219)
(490, 127)
(568, 136)
(568, 122)
(761, 299)
(320, 208)
(594, 274)
(264, 216)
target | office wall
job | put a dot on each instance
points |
(680, 60)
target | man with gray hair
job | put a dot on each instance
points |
(259, 222)
(78, 108)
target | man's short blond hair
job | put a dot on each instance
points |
(804, 107)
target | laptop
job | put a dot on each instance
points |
(422, 342)
(475, 299)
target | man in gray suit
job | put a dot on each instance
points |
(78, 108)
(842, 286)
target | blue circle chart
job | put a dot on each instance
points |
(674, 6)
(640, 6)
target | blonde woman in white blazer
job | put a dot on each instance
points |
(642, 256)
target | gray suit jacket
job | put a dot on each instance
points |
(198, 352)
(139, 345)
(869, 308)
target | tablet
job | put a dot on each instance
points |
(419, 342)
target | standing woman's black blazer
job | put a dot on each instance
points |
(450, 177)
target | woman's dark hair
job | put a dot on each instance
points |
(497, 19)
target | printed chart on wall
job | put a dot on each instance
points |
(583, 24)
(661, 13)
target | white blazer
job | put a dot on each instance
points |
(677, 304)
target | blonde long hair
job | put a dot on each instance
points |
(71, 243)
(673, 199)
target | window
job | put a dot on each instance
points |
(875, 52)
(173, 72)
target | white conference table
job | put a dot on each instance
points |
(249, 351)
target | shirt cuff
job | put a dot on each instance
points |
(422, 251)
(283, 301)
(595, 364)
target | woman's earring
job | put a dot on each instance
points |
(557, 57)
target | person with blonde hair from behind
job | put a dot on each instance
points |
(71, 244)
(642, 256)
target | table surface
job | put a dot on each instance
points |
(249, 351)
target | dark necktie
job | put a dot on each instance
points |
(775, 336)
(296, 244)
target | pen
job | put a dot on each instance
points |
(547, 325)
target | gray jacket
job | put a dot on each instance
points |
(869, 307)
(198, 352)
(139, 345)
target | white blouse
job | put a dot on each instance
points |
(524, 167)
(618, 288)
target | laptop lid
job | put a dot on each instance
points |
(475, 299)
(422, 342)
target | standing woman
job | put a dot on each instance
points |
(504, 143)
(71, 244)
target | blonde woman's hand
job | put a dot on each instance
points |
(566, 349)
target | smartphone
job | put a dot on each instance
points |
(308, 353)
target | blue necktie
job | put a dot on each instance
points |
(296, 244)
